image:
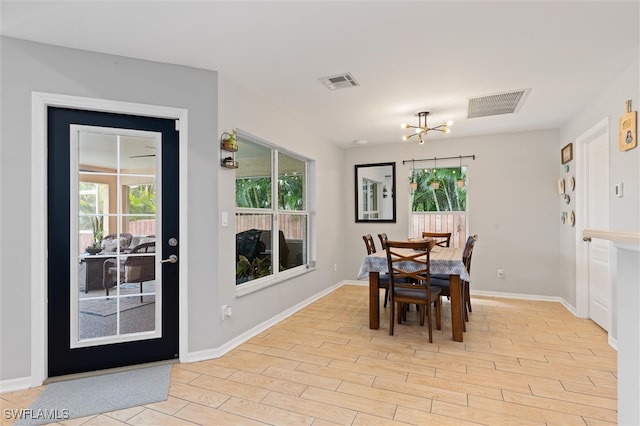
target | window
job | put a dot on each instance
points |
(272, 211)
(439, 202)
(92, 205)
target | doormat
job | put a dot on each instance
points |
(100, 394)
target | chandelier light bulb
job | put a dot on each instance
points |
(447, 130)
(423, 128)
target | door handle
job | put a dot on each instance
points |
(172, 259)
(586, 239)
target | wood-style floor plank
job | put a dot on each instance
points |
(521, 363)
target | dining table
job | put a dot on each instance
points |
(442, 260)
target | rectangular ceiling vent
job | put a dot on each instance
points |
(499, 103)
(340, 81)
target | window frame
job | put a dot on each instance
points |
(274, 211)
(414, 231)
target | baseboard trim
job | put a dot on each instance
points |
(520, 296)
(12, 385)
(236, 341)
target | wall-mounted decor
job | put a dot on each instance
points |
(566, 154)
(561, 186)
(567, 199)
(572, 183)
(628, 129)
(371, 203)
(572, 218)
(563, 217)
(228, 147)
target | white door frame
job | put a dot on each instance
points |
(39, 103)
(581, 199)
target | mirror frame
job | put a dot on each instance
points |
(392, 193)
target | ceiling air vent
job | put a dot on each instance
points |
(499, 103)
(340, 81)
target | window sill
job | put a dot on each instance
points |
(260, 283)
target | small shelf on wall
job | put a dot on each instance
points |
(228, 144)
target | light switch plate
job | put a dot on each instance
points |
(618, 190)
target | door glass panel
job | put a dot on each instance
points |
(116, 271)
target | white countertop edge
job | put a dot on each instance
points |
(624, 239)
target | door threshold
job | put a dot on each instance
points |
(86, 374)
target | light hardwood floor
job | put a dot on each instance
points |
(521, 363)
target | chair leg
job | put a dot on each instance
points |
(422, 315)
(467, 296)
(427, 307)
(392, 316)
(401, 314)
(141, 291)
(438, 304)
(386, 296)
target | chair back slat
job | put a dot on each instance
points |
(408, 263)
(443, 239)
(368, 242)
(383, 240)
(468, 251)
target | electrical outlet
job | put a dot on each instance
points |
(226, 312)
(500, 273)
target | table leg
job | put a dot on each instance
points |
(456, 307)
(374, 300)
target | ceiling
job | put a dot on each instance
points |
(406, 56)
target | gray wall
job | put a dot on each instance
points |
(624, 213)
(28, 67)
(266, 119)
(511, 203)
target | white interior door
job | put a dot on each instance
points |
(597, 217)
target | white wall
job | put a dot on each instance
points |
(624, 166)
(512, 204)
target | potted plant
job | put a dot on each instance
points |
(229, 141)
(97, 223)
(246, 270)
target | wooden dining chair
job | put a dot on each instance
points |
(383, 280)
(383, 240)
(409, 282)
(444, 283)
(368, 242)
(442, 239)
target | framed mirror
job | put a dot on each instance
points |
(375, 190)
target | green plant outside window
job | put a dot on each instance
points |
(450, 196)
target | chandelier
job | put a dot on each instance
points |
(422, 128)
